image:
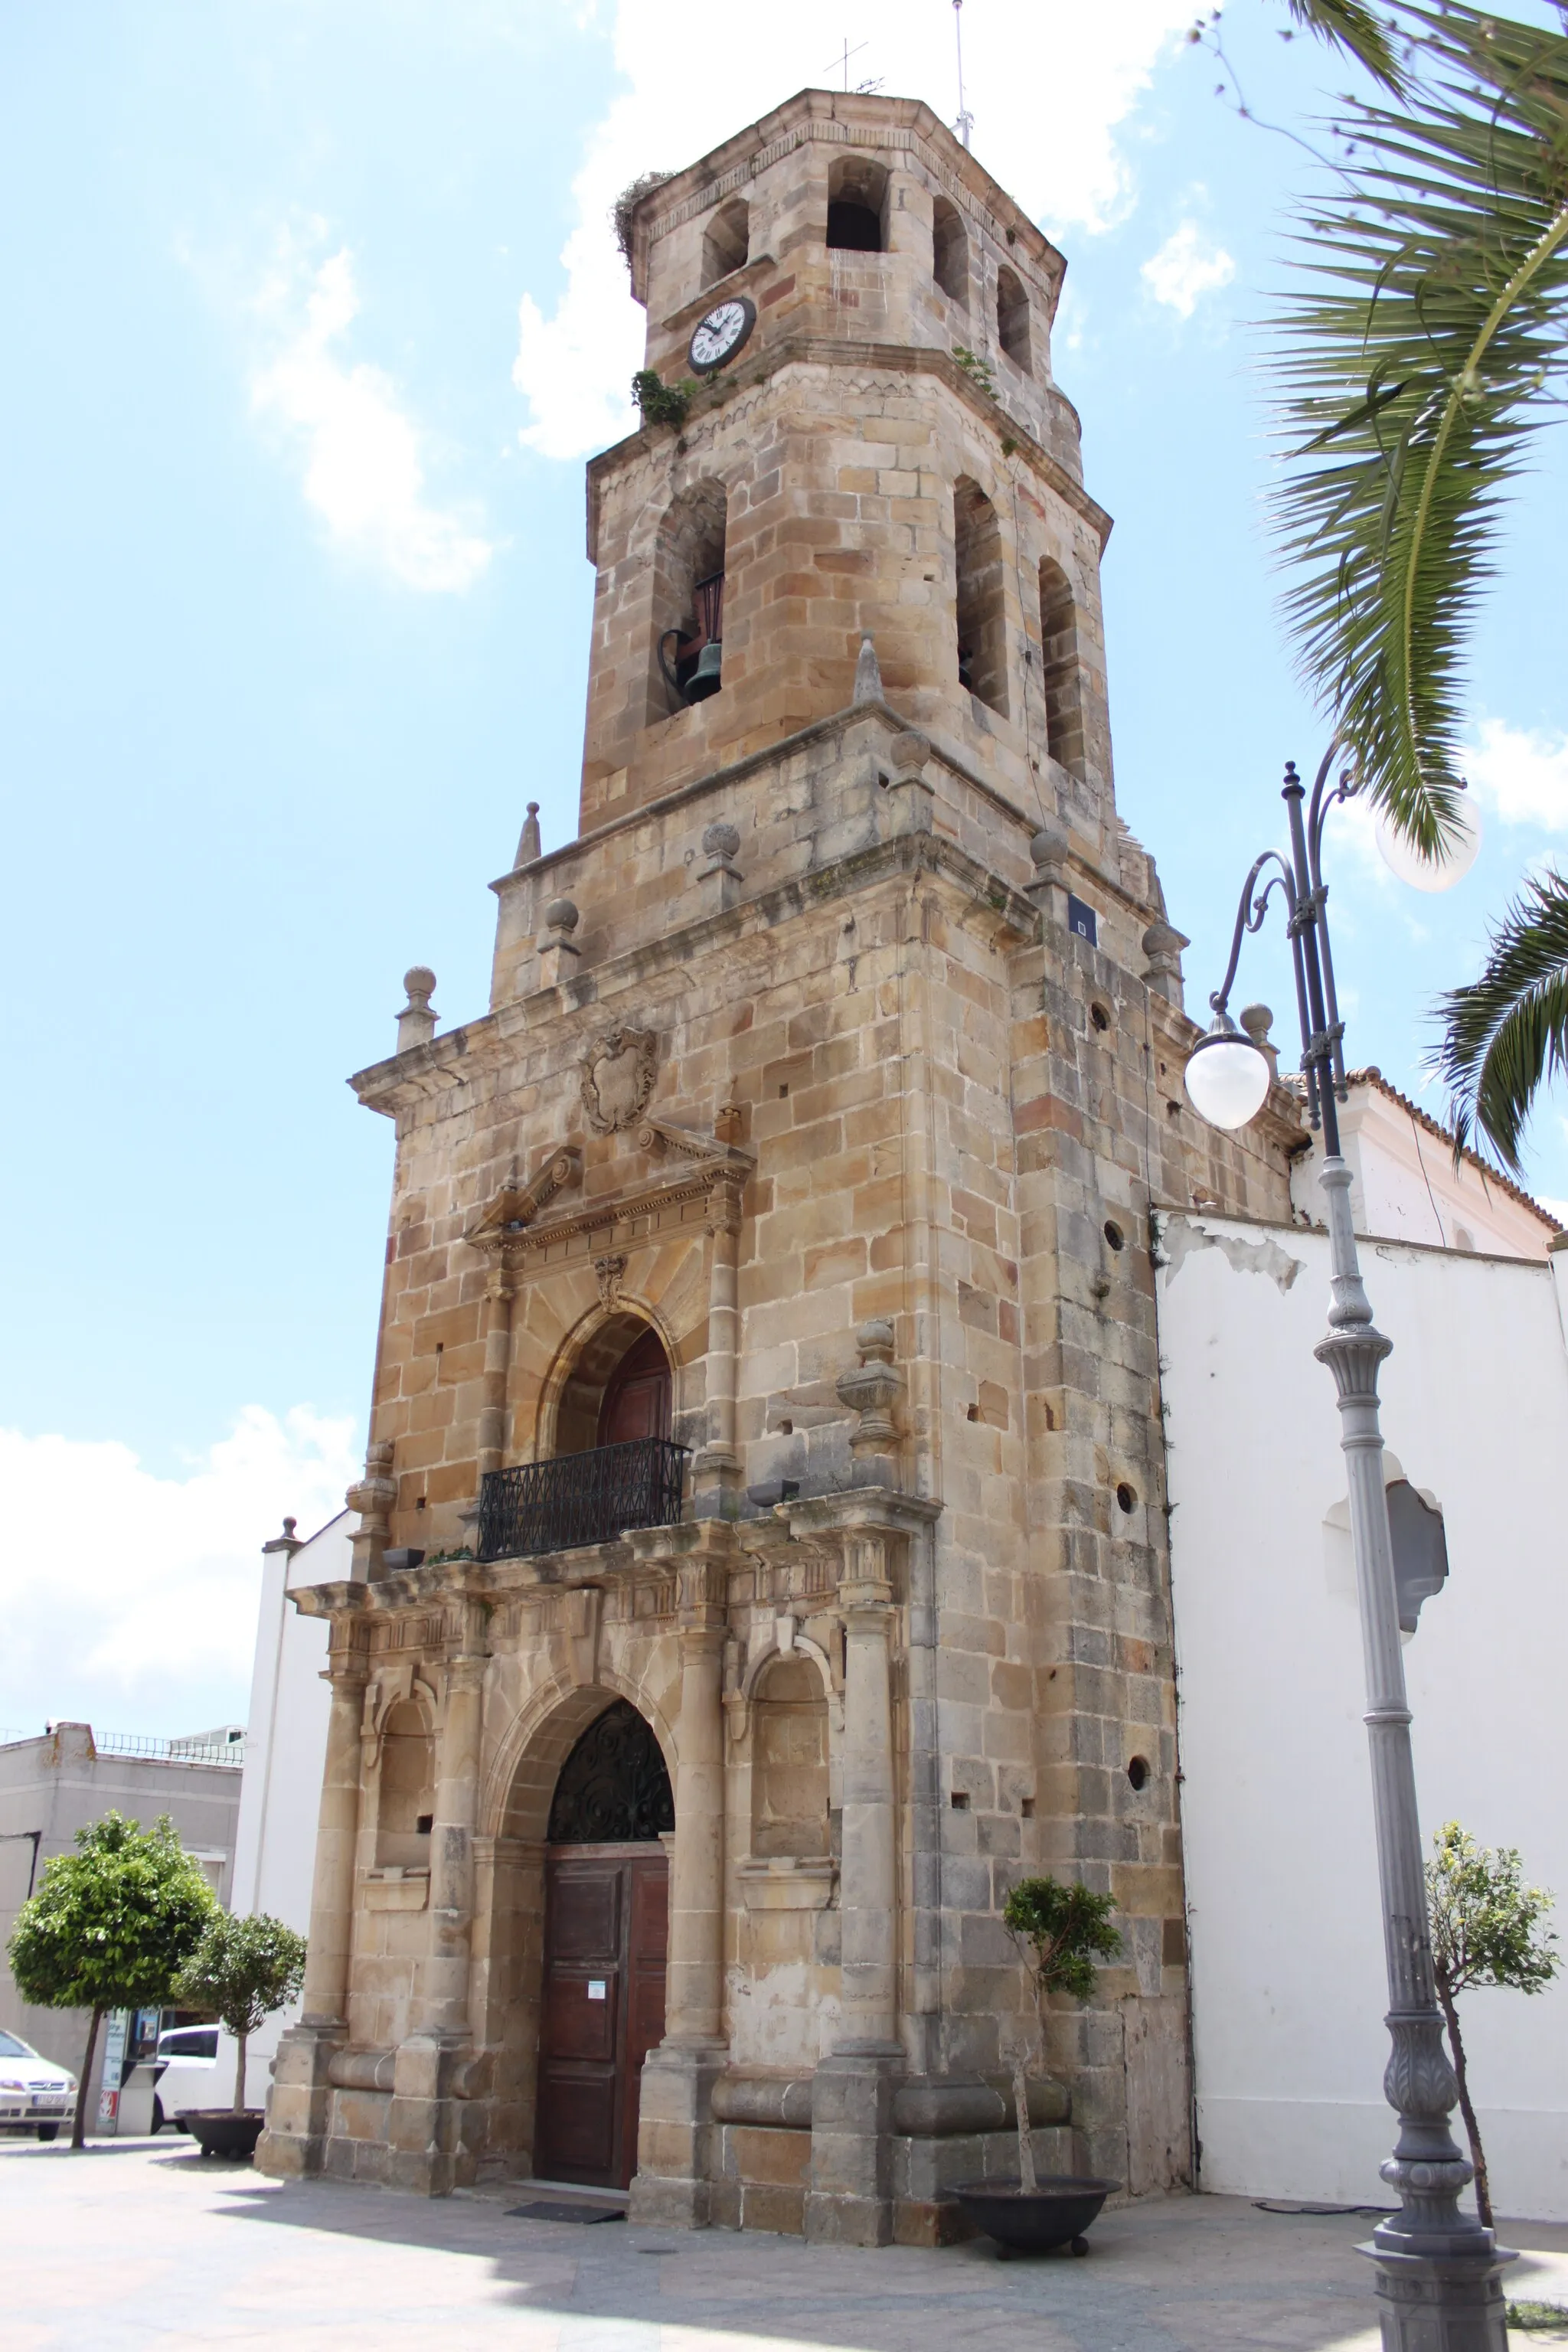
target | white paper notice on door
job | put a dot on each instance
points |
(597, 1989)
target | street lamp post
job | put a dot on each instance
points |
(1438, 2269)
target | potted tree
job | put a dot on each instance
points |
(1059, 1931)
(109, 1927)
(244, 1970)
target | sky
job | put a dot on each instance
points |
(315, 314)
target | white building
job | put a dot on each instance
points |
(63, 1780)
(1287, 1959)
(280, 1794)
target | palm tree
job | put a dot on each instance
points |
(1420, 350)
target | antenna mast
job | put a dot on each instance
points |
(965, 123)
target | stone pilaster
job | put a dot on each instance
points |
(717, 1469)
(850, 2199)
(498, 1290)
(673, 2183)
(425, 2122)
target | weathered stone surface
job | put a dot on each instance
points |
(821, 1088)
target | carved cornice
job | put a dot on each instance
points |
(599, 1235)
(842, 353)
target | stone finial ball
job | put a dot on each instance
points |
(1257, 1020)
(875, 1339)
(909, 750)
(562, 915)
(420, 983)
(720, 841)
(1048, 842)
(533, 808)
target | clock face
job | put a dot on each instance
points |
(719, 336)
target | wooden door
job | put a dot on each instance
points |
(638, 1395)
(606, 1934)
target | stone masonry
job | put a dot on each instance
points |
(802, 1056)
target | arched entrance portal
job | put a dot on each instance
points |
(607, 1913)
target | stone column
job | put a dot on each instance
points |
(672, 2184)
(498, 1291)
(850, 2197)
(425, 2120)
(869, 1889)
(717, 1468)
(297, 2108)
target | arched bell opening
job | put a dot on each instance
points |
(607, 1913)
(689, 601)
(949, 252)
(1012, 319)
(1061, 676)
(979, 585)
(727, 243)
(858, 206)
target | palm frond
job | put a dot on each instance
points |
(1415, 350)
(1350, 24)
(1506, 1031)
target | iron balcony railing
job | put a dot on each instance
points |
(580, 1498)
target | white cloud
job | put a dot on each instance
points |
(1047, 84)
(361, 453)
(1521, 775)
(129, 1599)
(1186, 267)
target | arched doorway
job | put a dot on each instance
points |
(619, 1376)
(606, 1911)
(637, 1394)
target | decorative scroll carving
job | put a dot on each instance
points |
(618, 1077)
(609, 1273)
(614, 1786)
(662, 1135)
(516, 1205)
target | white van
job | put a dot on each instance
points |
(187, 2070)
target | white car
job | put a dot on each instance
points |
(35, 2095)
(186, 2062)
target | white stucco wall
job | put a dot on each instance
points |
(1404, 1186)
(285, 1755)
(1288, 1977)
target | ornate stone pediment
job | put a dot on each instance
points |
(618, 1077)
(516, 1205)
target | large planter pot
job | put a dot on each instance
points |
(221, 2132)
(1034, 2221)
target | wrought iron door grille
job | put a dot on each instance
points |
(580, 1498)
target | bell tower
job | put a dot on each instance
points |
(857, 322)
(766, 1396)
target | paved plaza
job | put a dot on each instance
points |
(141, 2243)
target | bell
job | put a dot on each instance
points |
(704, 679)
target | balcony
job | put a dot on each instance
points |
(580, 1498)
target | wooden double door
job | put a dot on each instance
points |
(607, 1932)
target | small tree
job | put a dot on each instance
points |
(1486, 1930)
(109, 1927)
(1059, 1931)
(245, 1969)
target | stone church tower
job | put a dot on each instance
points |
(761, 1561)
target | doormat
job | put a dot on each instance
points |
(546, 2213)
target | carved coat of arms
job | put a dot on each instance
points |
(618, 1077)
